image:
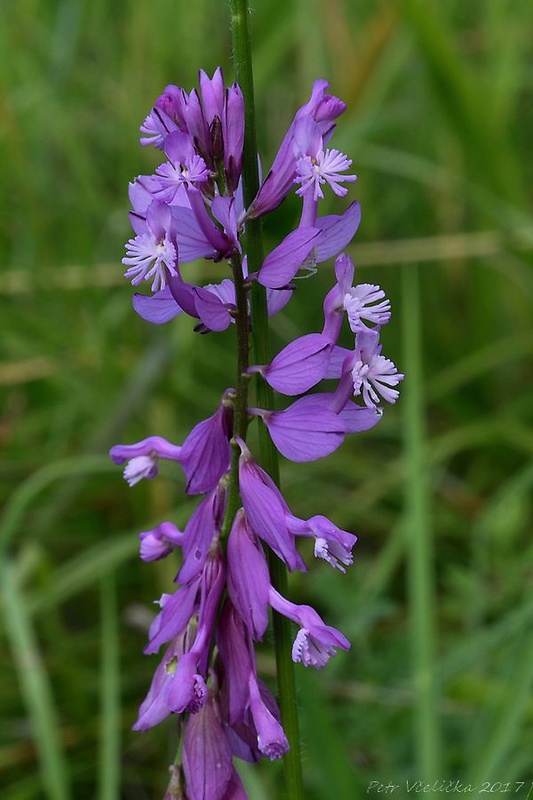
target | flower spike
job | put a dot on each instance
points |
(192, 209)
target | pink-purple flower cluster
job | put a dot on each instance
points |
(192, 208)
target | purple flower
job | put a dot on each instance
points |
(184, 168)
(193, 208)
(250, 708)
(153, 253)
(323, 109)
(187, 691)
(373, 375)
(364, 303)
(236, 651)
(269, 517)
(265, 509)
(212, 120)
(160, 541)
(331, 543)
(207, 756)
(204, 456)
(142, 458)
(316, 166)
(157, 125)
(313, 171)
(315, 642)
(271, 738)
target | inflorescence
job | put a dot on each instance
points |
(192, 208)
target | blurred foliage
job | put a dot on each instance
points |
(439, 122)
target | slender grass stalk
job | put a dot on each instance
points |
(27, 491)
(261, 343)
(35, 687)
(109, 761)
(495, 754)
(420, 548)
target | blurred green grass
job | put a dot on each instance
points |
(438, 603)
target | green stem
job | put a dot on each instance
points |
(242, 56)
(421, 569)
(240, 402)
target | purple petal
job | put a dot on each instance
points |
(233, 134)
(154, 708)
(160, 541)
(271, 737)
(338, 232)
(176, 611)
(178, 147)
(213, 94)
(344, 272)
(211, 310)
(138, 222)
(153, 446)
(183, 294)
(158, 218)
(336, 360)
(233, 644)
(199, 533)
(225, 291)
(323, 109)
(205, 453)
(265, 509)
(307, 137)
(235, 790)
(248, 577)
(192, 241)
(223, 210)
(140, 194)
(282, 264)
(220, 243)
(207, 757)
(277, 299)
(306, 430)
(187, 691)
(300, 365)
(359, 418)
(158, 308)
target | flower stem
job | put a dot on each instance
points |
(242, 56)
(240, 403)
(421, 557)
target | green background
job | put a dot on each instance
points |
(438, 604)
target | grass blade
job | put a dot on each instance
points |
(35, 687)
(419, 538)
(109, 761)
